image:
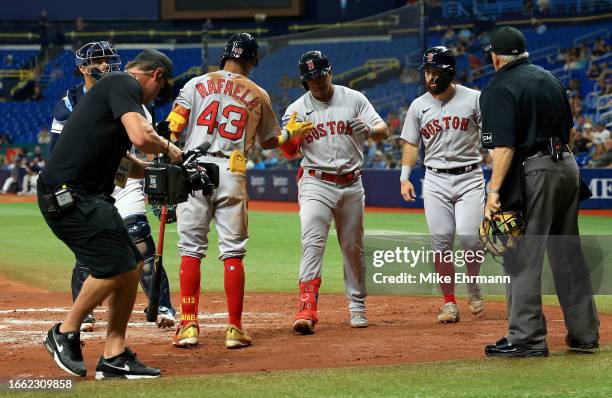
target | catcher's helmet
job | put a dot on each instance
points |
(241, 46)
(502, 232)
(438, 57)
(313, 64)
(86, 55)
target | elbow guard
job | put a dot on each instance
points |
(178, 118)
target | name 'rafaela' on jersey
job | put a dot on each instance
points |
(436, 126)
(229, 88)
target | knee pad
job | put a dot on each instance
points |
(140, 233)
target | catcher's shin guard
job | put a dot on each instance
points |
(140, 232)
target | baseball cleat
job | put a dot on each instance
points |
(186, 335)
(237, 338)
(88, 323)
(449, 313)
(166, 317)
(474, 295)
(124, 366)
(305, 321)
(359, 319)
(304, 326)
(65, 349)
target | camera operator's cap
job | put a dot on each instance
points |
(507, 41)
(160, 60)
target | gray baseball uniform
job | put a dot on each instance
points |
(331, 147)
(450, 131)
(229, 111)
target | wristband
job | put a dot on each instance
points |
(405, 174)
(167, 147)
(283, 137)
(493, 190)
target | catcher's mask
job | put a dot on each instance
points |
(502, 232)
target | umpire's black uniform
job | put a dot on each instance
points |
(523, 107)
(85, 160)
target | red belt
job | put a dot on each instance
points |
(343, 179)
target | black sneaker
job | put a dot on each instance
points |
(124, 366)
(65, 348)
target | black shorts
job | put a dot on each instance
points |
(96, 234)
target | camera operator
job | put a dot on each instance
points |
(74, 197)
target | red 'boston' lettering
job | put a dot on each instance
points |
(331, 126)
(456, 122)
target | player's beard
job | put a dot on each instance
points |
(437, 89)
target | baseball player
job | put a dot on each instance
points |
(329, 184)
(93, 61)
(229, 111)
(447, 120)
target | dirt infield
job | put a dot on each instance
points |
(402, 330)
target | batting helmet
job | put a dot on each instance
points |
(312, 65)
(502, 232)
(438, 57)
(241, 46)
(86, 55)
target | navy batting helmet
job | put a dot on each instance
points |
(97, 50)
(313, 64)
(438, 57)
(241, 46)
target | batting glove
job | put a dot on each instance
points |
(360, 127)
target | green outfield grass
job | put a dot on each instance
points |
(31, 253)
(561, 375)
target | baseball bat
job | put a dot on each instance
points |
(157, 269)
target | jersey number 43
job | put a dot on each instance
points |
(232, 115)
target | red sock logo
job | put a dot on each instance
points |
(233, 281)
(190, 288)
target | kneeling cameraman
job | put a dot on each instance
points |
(74, 197)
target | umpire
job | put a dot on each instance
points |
(527, 121)
(89, 159)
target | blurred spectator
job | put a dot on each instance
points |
(601, 134)
(8, 59)
(80, 24)
(449, 38)
(465, 36)
(539, 27)
(379, 161)
(394, 123)
(43, 136)
(576, 104)
(391, 162)
(603, 155)
(582, 143)
(599, 47)
(28, 185)
(543, 5)
(4, 138)
(37, 94)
